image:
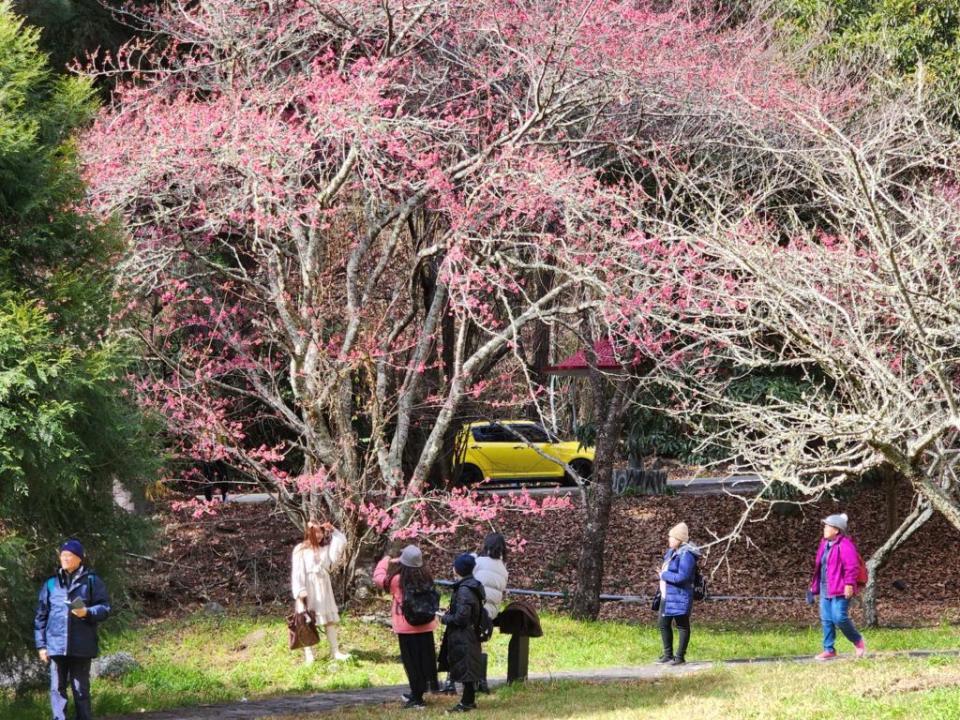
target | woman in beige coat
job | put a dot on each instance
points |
(311, 564)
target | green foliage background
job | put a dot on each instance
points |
(72, 28)
(67, 429)
(892, 40)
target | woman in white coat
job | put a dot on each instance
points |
(491, 571)
(310, 568)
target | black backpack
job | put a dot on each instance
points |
(484, 625)
(699, 585)
(420, 605)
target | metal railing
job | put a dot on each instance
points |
(637, 599)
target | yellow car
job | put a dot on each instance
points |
(517, 450)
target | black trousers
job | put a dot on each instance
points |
(419, 656)
(74, 673)
(666, 634)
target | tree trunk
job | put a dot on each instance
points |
(598, 500)
(890, 496)
(920, 514)
(541, 341)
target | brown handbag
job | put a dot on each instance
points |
(302, 629)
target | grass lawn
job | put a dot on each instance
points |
(876, 689)
(202, 659)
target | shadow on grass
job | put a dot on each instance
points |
(543, 700)
(375, 656)
(161, 685)
(573, 698)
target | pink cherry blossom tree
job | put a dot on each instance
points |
(347, 217)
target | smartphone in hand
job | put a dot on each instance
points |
(76, 604)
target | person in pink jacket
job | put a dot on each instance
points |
(407, 578)
(835, 581)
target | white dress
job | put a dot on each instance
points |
(310, 575)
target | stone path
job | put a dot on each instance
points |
(321, 702)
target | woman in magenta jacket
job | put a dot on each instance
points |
(835, 580)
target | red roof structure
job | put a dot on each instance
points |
(578, 364)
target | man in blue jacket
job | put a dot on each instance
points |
(71, 605)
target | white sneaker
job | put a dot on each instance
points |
(342, 656)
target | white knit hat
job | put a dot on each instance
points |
(680, 532)
(838, 521)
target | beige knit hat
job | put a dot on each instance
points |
(680, 532)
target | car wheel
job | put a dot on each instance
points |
(584, 469)
(469, 476)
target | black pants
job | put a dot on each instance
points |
(419, 656)
(666, 634)
(469, 694)
(70, 672)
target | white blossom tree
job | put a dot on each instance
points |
(837, 264)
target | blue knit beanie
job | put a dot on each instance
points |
(73, 545)
(464, 564)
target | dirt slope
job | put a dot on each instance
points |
(241, 556)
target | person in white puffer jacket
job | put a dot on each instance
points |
(491, 571)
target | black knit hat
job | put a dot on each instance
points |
(464, 564)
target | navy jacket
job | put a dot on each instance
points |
(56, 628)
(679, 579)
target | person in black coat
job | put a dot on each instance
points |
(460, 651)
